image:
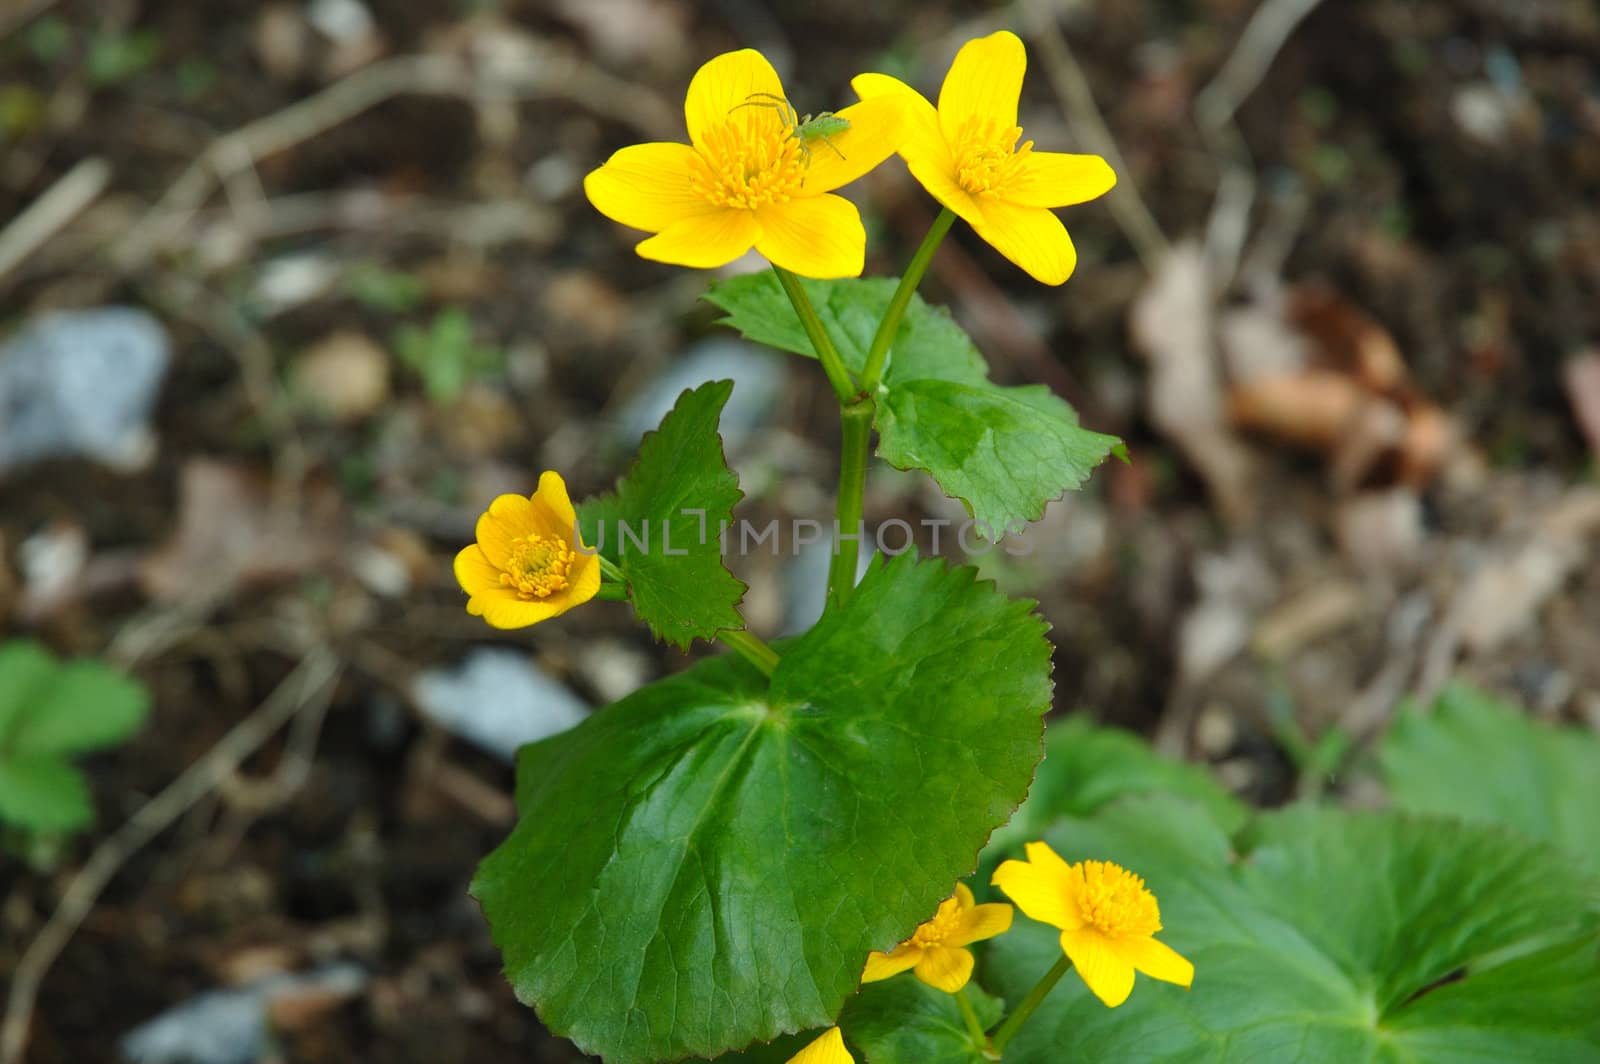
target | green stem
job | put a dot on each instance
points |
(969, 1014)
(844, 386)
(873, 370)
(1025, 1009)
(751, 648)
(611, 592)
(609, 570)
(856, 425)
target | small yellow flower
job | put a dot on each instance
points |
(936, 949)
(747, 180)
(826, 1048)
(529, 563)
(970, 156)
(1107, 919)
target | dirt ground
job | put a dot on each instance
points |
(1344, 307)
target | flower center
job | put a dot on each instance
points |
(1116, 903)
(943, 925)
(538, 566)
(988, 155)
(748, 161)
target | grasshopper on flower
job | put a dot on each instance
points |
(803, 128)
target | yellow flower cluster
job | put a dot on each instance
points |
(751, 178)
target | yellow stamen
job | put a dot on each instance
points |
(944, 925)
(538, 566)
(1115, 902)
(988, 156)
(749, 161)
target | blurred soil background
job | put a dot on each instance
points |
(1344, 307)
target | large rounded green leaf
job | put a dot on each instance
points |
(708, 862)
(1337, 937)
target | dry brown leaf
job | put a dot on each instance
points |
(1315, 409)
(1171, 325)
(1503, 597)
(1583, 392)
(1349, 340)
(231, 531)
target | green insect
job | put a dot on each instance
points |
(803, 128)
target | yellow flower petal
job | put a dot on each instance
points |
(983, 921)
(984, 83)
(474, 572)
(646, 186)
(585, 575)
(1056, 179)
(877, 127)
(963, 897)
(945, 968)
(827, 1048)
(818, 236)
(724, 83)
(882, 965)
(1040, 886)
(1157, 960)
(508, 517)
(508, 611)
(706, 242)
(1097, 961)
(551, 508)
(922, 142)
(1031, 237)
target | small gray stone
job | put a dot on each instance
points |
(81, 383)
(758, 381)
(228, 1026)
(498, 699)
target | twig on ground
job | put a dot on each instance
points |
(23, 13)
(315, 674)
(553, 75)
(1215, 106)
(52, 211)
(1077, 98)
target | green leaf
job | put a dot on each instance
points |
(707, 863)
(1086, 766)
(928, 345)
(85, 706)
(679, 494)
(1004, 452)
(44, 794)
(1338, 937)
(905, 1021)
(48, 710)
(1475, 757)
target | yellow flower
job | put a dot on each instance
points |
(747, 180)
(935, 950)
(826, 1048)
(968, 156)
(1107, 919)
(529, 563)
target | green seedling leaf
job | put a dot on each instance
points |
(50, 711)
(1004, 452)
(1475, 757)
(446, 355)
(662, 526)
(707, 863)
(1334, 936)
